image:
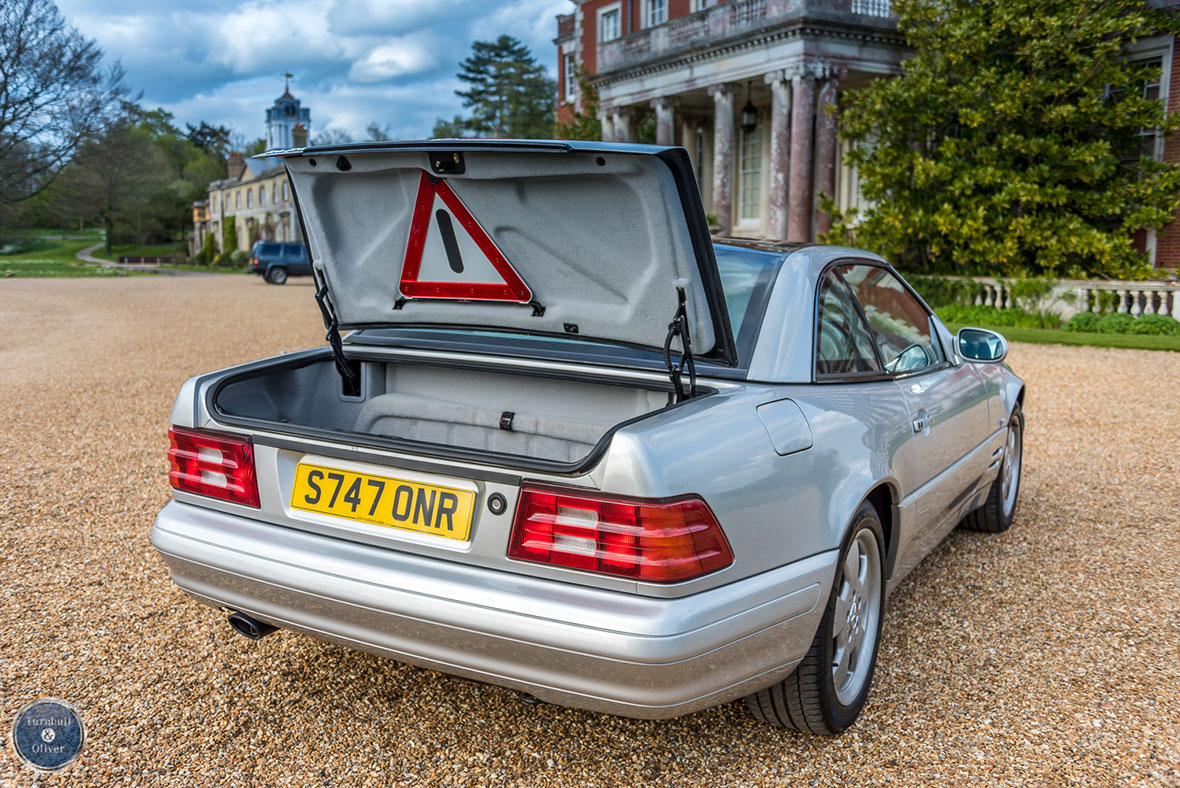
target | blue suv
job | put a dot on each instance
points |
(276, 261)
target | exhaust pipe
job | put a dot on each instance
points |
(248, 626)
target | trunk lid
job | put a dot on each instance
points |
(604, 242)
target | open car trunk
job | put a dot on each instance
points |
(509, 417)
(605, 243)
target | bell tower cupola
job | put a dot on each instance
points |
(283, 117)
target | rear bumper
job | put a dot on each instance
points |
(576, 646)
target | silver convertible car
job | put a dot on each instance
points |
(575, 447)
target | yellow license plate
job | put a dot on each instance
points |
(382, 500)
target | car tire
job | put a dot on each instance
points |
(827, 690)
(276, 275)
(999, 509)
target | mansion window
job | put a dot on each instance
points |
(657, 13)
(1150, 147)
(699, 5)
(286, 195)
(571, 78)
(750, 177)
(1152, 88)
(237, 201)
(250, 198)
(262, 195)
(608, 24)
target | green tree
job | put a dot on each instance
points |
(54, 96)
(584, 124)
(377, 133)
(332, 137)
(213, 140)
(139, 178)
(1014, 140)
(449, 129)
(229, 240)
(207, 252)
(115, 178)
(509, 94)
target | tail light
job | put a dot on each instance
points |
(254, 261)
(662, 541)
(214, 465)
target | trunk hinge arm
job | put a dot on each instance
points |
(333, 336)
(679, 328)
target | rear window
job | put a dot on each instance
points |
(745, 277)
(293, 250)
(270, 250)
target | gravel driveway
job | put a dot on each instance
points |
(1049, 655)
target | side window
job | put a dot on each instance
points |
(900, 323)
(843, 345)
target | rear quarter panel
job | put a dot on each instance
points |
(774, 509)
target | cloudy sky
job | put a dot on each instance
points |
(355, 61)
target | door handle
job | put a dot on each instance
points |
(922, 422)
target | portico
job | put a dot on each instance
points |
(746, 87)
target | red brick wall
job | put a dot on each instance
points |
(562, 98)
(1167, 243)
(590, 31)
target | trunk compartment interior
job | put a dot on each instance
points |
(508, 412)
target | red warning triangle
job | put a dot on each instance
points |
(450, 256)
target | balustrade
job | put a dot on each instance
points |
(1067, 297)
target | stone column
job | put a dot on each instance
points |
(622, 124)
(607, 119)
(780, 154)
(665, 122)
(799, 188)
(825, 150)
(723, 155)
(688, 139)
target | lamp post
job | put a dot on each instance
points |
(749, 113)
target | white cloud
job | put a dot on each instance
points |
(356, 61)
(397, 17)
(534, 22)
(265, 35)
(396, 59)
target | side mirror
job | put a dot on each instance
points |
(979, 344)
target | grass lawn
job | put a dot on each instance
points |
(44, 268)
(1049, 336)
(131, 250)
(49, 256)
